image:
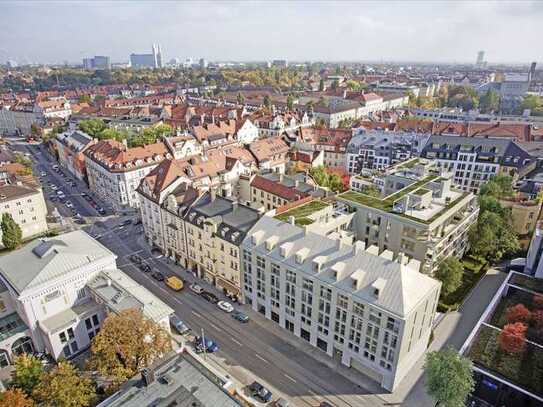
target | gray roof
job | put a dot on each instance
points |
(120, 293)
(179, 381)
(47, 259)
(68, 317)
(401, 287)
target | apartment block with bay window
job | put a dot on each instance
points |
(372, 313)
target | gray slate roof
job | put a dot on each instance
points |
(43, 260)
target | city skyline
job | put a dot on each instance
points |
(256, 31)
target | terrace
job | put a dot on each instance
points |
(519, 306)
(303, 212)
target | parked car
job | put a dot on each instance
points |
(69, 204)
(158, 276)
(101, 211)
(281, 402)
(126, 222)
(208, 345)
(212, 298)
(259, 392)
(196, 288)
(43, 174)
(53, 187)
(134, 258)
(80, 220)
(225, 306)
(240, 316)
(178, 324)
(175, 283)
(144, 267)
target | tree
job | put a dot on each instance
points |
(352, 85)
(64, 386)
(240, 99)
(93, 127)
(290, 102)
(449, 377)
(15, 398)
(498, 186)
(127, 343)
(321, 85)
(531, 102)
(512, 338)
(490, 101)
(493, 237)
(518, 313)
(12, 235)
(27, 373)
(267, 101)
(450, 273)
(84, 99)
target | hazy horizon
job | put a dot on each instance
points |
(411, 31)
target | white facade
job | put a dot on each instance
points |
(247, 133)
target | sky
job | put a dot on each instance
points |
(403, 31)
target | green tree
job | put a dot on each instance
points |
(449, 377)
(531, 102)
(64, 386)
(490, 101)
(111, 134)
(84, 99)
(493, 237)
(321, 85)
(335, 84)
(12, 235)
(449, 272)
(290, 102)
(352, 85)
(93, 127)
(498, 186)
(267, 101)
(27, 374)
(240, 98)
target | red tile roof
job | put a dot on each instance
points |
(277, 189)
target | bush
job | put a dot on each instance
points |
(518, 313)
(512, 339)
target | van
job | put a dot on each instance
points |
(175, 283)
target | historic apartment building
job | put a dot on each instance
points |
(58, 300)
(373, 313)
(418, 214)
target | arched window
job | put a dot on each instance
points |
(4, 358)
(22, 345)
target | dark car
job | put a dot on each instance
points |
(101, 211)
(80, 220)
(158, 276)
(240, 316)
(144, 267)
(212, 298)
(126, 222)
(209, 346)
(135, 259)
(260, 392)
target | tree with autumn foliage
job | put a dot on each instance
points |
(512, 338)
(27, 373)
(15, 397)
(64, 386)
(127, 343)
(518, 313)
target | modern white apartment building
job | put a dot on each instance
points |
(419, 214)
(473, 160)
(26, 205)
(373, 313)
(58, 300)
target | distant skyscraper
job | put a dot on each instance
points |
(203, 63)
(153, 60)
(98, 62)
(480, 59)
(532, 71)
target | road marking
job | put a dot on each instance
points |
(235, 341)
(290, 378)
(197, 314)
(215, 327)
(261, 358)
(177, 300)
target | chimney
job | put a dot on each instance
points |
(291, 220)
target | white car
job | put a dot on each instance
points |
(225, 306)
(196, 288)
(69, 204)
(43, 174)
(54, 187)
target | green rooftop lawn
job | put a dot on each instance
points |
(387, 202)
(409, 163)
(528, 282)
(302, 212)
(525, 370)
(421, 191)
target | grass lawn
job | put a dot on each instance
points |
(525, 369)
(302, 212)
(474, 269)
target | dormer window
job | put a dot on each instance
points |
(376, 292)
